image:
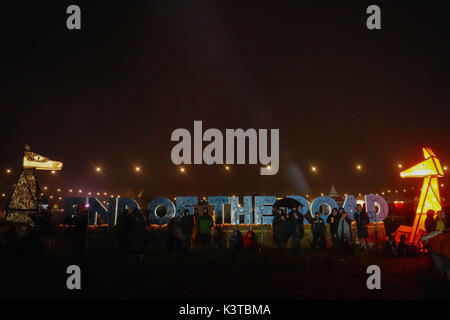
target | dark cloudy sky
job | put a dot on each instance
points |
(111, 94)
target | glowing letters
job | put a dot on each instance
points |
(376, 206)
(237, 210)
(318, 202)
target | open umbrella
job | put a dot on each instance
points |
(287, 203)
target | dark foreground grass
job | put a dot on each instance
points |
(221, 274)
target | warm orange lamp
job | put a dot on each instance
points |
(430, 169)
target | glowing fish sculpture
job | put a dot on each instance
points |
(430, 169)
(25, 197)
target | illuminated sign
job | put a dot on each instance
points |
(254, 210)
(429, 169)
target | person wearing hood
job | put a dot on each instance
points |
(344, 234)
(249, 241)
(362, 221)
(280, 229)
(235, 240)
(296, 229)
(318, 231)
(333, 221)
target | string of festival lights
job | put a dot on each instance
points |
(60, 191)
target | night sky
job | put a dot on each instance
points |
(111, 94)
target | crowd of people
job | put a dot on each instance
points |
(194, 230)
(290, 225)
(184, 231)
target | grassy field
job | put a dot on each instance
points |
(220, 274)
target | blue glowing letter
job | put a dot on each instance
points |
(350, 205)
(245, 210)
(325, 200)
(184, 203)
(155, 204)
(219, 203)
(263, 208)
(305, 206)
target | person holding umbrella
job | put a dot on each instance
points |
(280, 229)
(296, 229)
(280, 223)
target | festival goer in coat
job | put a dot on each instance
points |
(318, 231)
(446, 211)
(196, 219)
(177, 233)
(280, 229)
(47, 231)
(333, 221)
(204, 225)
(235, 240)
(391, 246)
(430, 222)
(123, 231)
(171, 239)
(187, 225)
(148, 228)
(137, 237)
(218, 233)
(249, 241)
(81, 233)
(344, 234)
(402, 247)
(296, 229)
(440, 223)
(362, 221)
